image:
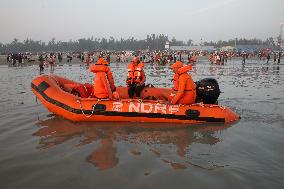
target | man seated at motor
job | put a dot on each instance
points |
(184, 91)
(103, 81)
(135, 78)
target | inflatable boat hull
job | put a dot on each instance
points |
(48, 89)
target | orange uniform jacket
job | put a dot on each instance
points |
(184, 87)
(135, 74)
(103, 81)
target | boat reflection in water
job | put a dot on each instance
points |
(109, 136)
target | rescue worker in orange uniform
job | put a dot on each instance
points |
(184, 91)
(103, 81)
(135, 78)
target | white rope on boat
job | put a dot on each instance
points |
(86, 115)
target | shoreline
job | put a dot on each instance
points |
(78, 61)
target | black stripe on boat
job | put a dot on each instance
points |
(43, 86)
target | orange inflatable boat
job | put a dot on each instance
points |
(152, 107)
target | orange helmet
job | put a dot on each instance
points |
(102, 61)
(178, 64)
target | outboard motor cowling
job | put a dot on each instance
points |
(207, 91)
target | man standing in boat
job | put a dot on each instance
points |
(135, 77)
(184, 91)
(103, 80)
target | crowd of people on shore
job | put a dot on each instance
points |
(157, 57)
(19, 58)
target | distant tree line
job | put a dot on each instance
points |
(152, 42)
(269, 42)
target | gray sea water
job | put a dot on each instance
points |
(40, 150)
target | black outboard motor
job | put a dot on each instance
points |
(207, 91)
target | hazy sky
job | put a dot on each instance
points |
(184, 19)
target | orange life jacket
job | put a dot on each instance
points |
(103, 81)
(135, 74)
(190, 85)
(186, 94)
